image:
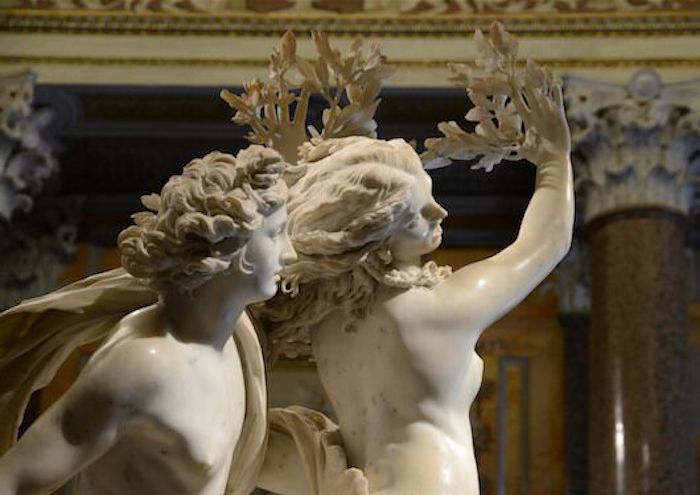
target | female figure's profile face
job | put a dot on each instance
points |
(421, 232)
(267, 251)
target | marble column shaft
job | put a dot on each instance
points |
(576, 391)
(636, 164)
(639, 378)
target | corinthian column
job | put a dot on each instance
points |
(635, 161)
(37, 229)
(572, 285)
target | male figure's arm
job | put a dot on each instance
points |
(78, 429)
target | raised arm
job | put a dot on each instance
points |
(478, 294)
(79, 428)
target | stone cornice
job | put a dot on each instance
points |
(229, 23)
(261, 64)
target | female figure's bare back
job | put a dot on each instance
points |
(402, 396)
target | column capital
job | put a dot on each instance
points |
(37, 235)
(571, 281)
(26, 155)
(635, 145)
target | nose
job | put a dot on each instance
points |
(287, 255)
(435, 212)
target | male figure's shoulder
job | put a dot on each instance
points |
(135, 363)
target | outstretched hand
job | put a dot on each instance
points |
(539, 103)
(518, 113)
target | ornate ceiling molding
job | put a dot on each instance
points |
(610, 23)
(399, 7)
(558, 64)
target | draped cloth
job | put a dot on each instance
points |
(39, 334)
(320, 448)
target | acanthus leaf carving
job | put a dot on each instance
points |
(635, 145)
(37, 231)
(26, 153)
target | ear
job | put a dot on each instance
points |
(243, 265)
(385, 255)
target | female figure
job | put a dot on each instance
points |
(394, 339)
(161, 407)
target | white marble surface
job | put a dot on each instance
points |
(161, 406)
(402, 371)
(395, 339)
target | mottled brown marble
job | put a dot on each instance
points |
(640, 439)
(576, 369)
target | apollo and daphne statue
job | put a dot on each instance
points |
(174, 399)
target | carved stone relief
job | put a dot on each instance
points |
(36, 235)
(406, 7)
(26, 159)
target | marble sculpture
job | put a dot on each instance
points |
(394, 338)
(173, 401)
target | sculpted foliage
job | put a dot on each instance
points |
(277, 110)
(504, 100)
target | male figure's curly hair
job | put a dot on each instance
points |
(343, 213)
(200, 223)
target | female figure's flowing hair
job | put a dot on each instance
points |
(343, 213)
